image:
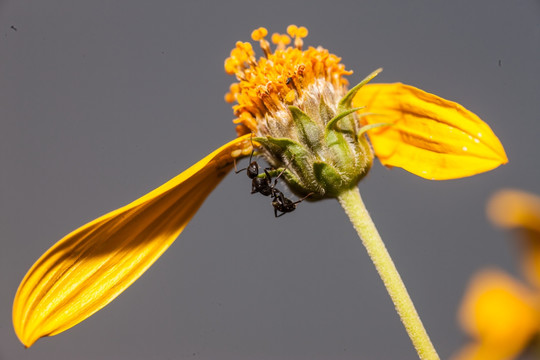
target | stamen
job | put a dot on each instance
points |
(281, 40)
(231, 95)
(241, 56)
(276, 80)
(291, 30)
(302, 32)
(230, 98)
(259, 35)
(297, 33)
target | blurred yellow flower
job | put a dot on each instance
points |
(498, 312)
(306, 123)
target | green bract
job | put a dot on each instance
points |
(324, 157)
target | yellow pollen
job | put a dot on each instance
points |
(290, 97)
(245, 150)
(302, 32)
(236, 153)
(295, 31)
(229, 97)
(291, 30)
(241, 56)
(233, 90)
(259, 34)
(279, 79)
(278, 38)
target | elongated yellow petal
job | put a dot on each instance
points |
(519, 210)
(500, 314)
(430, 137)
(91, 266)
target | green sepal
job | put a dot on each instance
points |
(298, 187)
(345, 102)
(335, 119)
(286, 148)
(297, 160)
(339, 147)
(325, 112)
(283, 173)
(329, 178)
(308, 131)
(366, 128)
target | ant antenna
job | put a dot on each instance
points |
(250, 157)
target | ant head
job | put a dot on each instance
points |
(252, 170)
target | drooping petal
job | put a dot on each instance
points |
(500, 314)
(430, 137)
(520, 211)
(92, 265)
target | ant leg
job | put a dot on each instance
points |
(236, 171)
(279, 175)
(302, 199)
(267, 174)
(285, 168)
(278, 203)
(250, 157)
(269, 177)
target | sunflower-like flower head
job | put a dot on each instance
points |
(296, 104)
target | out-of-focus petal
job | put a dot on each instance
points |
(92, 265)
(511, 208)
(482, 351)
(519, 210)
(431, 137)
(499, 313)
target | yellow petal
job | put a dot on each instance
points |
(515, 209)
(430, 137)
(483, 351)
(91, 266)
(499, 313)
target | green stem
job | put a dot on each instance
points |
(352, 203)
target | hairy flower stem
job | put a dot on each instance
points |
(353, 205)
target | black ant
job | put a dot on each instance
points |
(264, 186)
(261, 185)
(283, 204)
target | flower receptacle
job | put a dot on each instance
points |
(323, 154)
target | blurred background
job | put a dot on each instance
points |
(103, 101)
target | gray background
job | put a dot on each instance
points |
(101, 101)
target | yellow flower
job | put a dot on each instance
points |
(294, 105)
(498, 312)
